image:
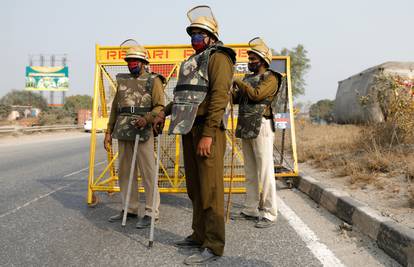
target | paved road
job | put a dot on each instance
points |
(44, 220)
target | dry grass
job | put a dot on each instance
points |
(409, 175)
(411, 192)
(409, 172)
(362, 178)
(359, 152)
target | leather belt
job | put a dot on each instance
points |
(134, 110)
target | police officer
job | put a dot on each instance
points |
(138, 100)
(254, 94)
(197, 110)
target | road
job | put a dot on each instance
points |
(44, 219)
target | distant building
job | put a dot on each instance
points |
(14, 115)
(20, 112)
(347, 107)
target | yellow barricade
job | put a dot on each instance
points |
(166, 60)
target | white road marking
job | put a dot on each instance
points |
(33, 200)
(84, 169)
(47, 194)
(320, 250)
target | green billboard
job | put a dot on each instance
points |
(47, 78)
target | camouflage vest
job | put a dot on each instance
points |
(192, 88)
(134, 100)
(250, 116)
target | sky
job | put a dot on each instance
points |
(342, 37)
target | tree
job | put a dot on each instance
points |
(4, 111)
(76, 102)
(300, 65)
(24, 98)
(322, 110)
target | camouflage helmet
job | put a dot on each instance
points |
(202, 17)
(258, 46)
(135, 50)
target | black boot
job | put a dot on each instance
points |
(144, 222)
(187, 242)
(119, 217)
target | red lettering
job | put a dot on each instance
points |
(166, 53)
(242, 52)
(158, 53)
(111, 54)
(122, 54)
(149, 54)
(187, 52)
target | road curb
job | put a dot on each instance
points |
(394, 239)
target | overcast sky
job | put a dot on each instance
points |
(342, 37)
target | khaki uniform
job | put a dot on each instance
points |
(258, 151)
(145, 153)
(204, 175)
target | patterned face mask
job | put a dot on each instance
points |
(197, 41)
(134, 67)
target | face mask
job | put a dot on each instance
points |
(134, 67)
(197, 41)
(254, 67)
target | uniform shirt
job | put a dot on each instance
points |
(220, 75)
(266, 88)
(158, 103)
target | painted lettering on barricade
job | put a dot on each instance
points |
(178, 53)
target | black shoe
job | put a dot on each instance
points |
(265, 223)
(202, 257)
(144, 222)
(119, 216)
(242, 216)
(187, 242)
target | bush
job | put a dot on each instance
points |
(24, 98)
(76, 102)
(395, 96)
(322, 110)
(4, 111)
(55, 116)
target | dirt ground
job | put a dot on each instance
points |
(392, 201)
(381, 178)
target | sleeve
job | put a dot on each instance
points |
(113, 115)
(220, 72)
(266, 88)
(236, 95)
(158, 100)
(168, 109)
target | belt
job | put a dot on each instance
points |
(134, 110)
(268, 117)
